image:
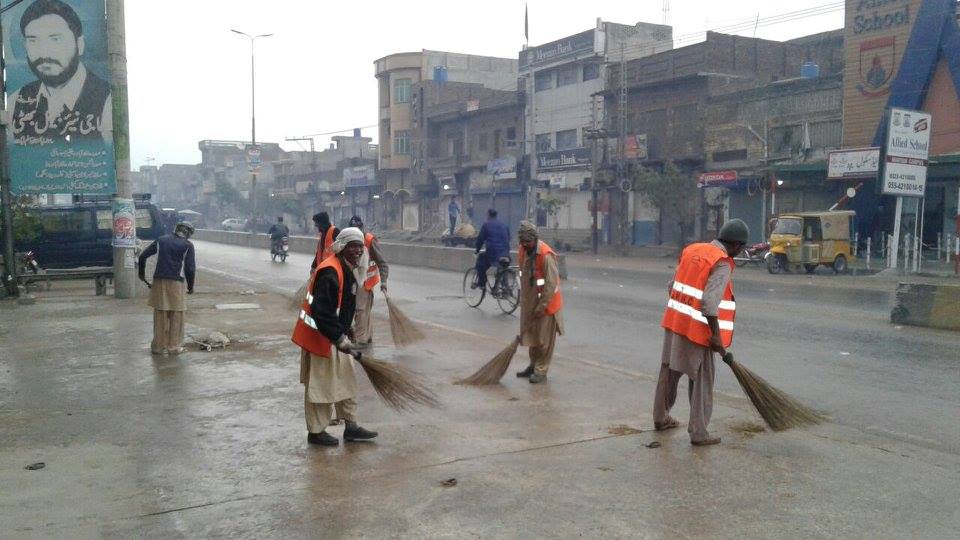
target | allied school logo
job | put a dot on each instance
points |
(876, 66)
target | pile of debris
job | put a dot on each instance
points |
(216, 340)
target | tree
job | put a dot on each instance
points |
(26, 226)
(227, 195)
(552, 205)
(671, 192)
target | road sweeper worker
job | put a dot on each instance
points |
(698, 322)
(328, 233)
(174, 253)
(323, 333)
(540, 301)
(375, 271)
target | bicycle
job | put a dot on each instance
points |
(505, 286)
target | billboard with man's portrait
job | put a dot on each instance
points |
(60, 131)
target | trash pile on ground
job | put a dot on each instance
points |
(216, 340)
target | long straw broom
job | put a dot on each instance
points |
(403, 330)
(400, 388)
(493, 371)
(297, 301)
(778, 410)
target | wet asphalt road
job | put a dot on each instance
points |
(832, 347)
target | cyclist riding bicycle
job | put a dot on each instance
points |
(496, 236)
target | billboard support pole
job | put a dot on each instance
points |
(124, 263)
(10, 267)
(893, 260)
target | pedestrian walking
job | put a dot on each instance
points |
(453, 212)
(540, 301)
(376, 271)
(174, 253)
(323, 333)
(328, 233)
(698, 322)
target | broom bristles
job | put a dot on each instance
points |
(403, 330)
(400, 388)
(297, 301)
(778, 410)
(493, 371)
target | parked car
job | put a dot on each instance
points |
(81, 234)
(233, 224)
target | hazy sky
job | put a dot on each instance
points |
(189, 76)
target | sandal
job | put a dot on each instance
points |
(669, 424)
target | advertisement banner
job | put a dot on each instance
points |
(124, 227)
(60, 132)
(853, 163)
(717, 179)
(360, 176)
(908, 145)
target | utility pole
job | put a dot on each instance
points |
(9, 264)
(621, 163)
(253, 128)
(124, 262)
(593, 134)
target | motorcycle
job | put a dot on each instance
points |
(753, 254)
(279, 249)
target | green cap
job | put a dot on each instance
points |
(735, 230)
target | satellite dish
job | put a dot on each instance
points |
(626, 185)
(851, 193)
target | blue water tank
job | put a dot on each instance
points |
(440, 73)
(809, 70)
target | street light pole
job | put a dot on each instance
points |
(253, 126)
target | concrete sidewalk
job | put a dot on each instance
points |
(213, 444)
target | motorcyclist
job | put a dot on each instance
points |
(496, 236)
(278, 231)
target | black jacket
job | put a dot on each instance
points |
(173, 253)
(324, 306)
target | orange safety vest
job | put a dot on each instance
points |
(683, 315)
(325, 244)
(543, 250)
(305, 332)
(373, 271)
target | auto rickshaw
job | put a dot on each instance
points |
(809, 239)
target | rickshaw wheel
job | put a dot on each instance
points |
(776, 264)
(840, 264)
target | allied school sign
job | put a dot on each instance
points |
(908, 147)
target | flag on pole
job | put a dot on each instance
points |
(526, 23)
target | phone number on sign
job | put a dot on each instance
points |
(903, 186)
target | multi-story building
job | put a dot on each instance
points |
(177, 185)
(333, 179)
(472, 149)
(670, 104)
(396, 76)
(559, 81)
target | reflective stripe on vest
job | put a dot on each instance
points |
(543, 251)
(305, 331)
(684, 310)
(373, 271)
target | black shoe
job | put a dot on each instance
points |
(354, 432)
(323, 438)
(537, 378)
(525, 373)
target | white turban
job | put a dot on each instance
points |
(350, 234)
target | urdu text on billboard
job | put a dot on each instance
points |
(908, 146)
(853, 163)
(60, 131)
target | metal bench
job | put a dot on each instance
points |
(100, 274)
